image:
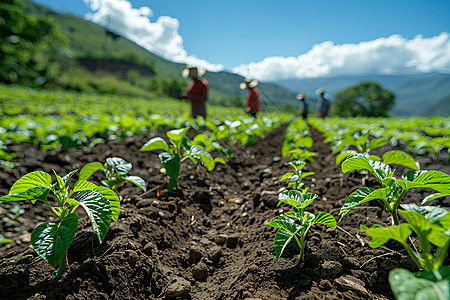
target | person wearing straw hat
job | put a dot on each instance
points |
(303, 100)
(197, 91)
(253, 103)
(323, 105)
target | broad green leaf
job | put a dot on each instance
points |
(343, 155)
(432, 213)
(326, 219)
(436, 180)
(33, 194)
(381, 235)
(30, 180)
(354, 199)
(288, 229)
(89, 169)
(137, 181)
(51, 240)
(374, 157)
(378, 143)
(156, 143)
(200, 153)
(113, 200)
(434, 196)
(172, 165)
(120, 164)
(281, 241)
(412, 175)
(98, 209)
(423, 226)
(306, 174)
(284, 223)
(400, 158)
(177, 135)
(82, 185)
(406, 286)
(361, 162)
(296, 198)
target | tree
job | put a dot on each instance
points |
(24, 41)
(366, 100)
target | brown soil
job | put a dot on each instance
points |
(167, 247)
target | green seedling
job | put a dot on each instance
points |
(116, 170)
(296, 224)
(431, 225)
(361, 143)
(179, 150)
(51, 240)
(295, 178)
(392, 190)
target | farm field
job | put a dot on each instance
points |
(208, 238)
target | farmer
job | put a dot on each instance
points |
(323, 105)
(253, 103)
(197, 91)
(303, 100)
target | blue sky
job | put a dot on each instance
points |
(289, 38)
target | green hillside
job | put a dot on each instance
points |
(88, 40)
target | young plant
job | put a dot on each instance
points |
(296, 224)
(116, 170)
(361, 143)
(179, 150)
(392, 190)
(295, 178)
(431, 224)
(51, 240)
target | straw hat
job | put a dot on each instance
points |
(301, 96)
(320, 91)
(251, 83)
(192, 71)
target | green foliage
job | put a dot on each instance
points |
(392, 190)
(180, 149)
(24, 43)
(367, 99)
(4, 240)
(115, 170)
(427, 285)
(295, 225)
(51, 240)
(295, 178)
(431, 225)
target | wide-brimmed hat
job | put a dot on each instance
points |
(302, 96)
(320, 91)
(192, 71)
(251, 83)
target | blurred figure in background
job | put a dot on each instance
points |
(323, 105)
(253, 103)
(197, 91)
(304, 102)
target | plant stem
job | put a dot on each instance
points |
(62, 265)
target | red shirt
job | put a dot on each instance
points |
(198, 87)
(253, 101)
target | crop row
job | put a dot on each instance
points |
(429, 223)
(417, 135)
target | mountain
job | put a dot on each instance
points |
(413, 92)
(88, 42)
(440, 107)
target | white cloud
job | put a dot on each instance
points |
(393, 55)
(160, 37)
